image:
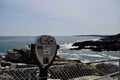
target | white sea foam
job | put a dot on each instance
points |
(110, 56)
(82, 54)
(91, 55)
(85, 50)
(67, 46)
(113, 57)
(85, 61)
(73, 58)
(62, 53)
(95, 39)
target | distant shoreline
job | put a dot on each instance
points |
(91, 35)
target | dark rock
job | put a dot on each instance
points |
(65, 62)
(19, 55)
(107, 68)
(22, 56)
(13, 56)
(4, 64)
(111, 43)
(111, 38)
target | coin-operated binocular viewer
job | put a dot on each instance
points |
(44, 51)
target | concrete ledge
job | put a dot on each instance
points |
(93, 78)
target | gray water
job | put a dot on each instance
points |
(65, 42)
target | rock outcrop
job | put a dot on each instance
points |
(61, 68)
(19, 55)
(106, 68)
(109, 43)
(25, 56)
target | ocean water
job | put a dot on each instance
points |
(65, 42)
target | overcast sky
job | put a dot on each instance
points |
(59, 17)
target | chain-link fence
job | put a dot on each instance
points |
(75, 71)
(19, 74)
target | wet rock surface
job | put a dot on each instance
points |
(19, 56)
(108, 43)
(106, 68)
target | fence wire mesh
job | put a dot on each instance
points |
(62, 72)
(19, 74)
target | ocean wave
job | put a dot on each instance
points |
(90, 55)
(67, 46)
(113, 57)
(85, 61)
(110, 56)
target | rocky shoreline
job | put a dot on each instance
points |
(22, 58)
(107, 43)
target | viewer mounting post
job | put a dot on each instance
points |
(44, 51)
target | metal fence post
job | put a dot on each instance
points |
(29, 76)
(43, 74)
